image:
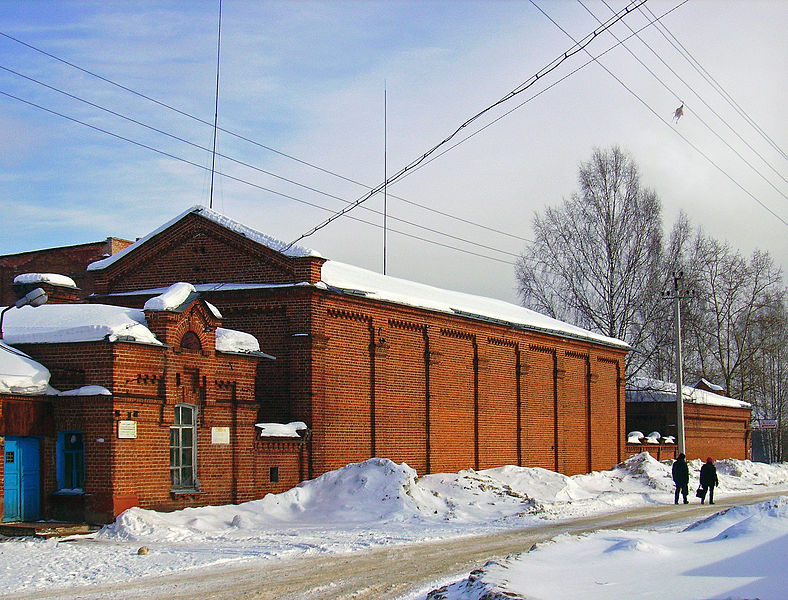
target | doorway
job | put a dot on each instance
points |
(22, 479)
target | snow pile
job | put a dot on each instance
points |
(733, 554)
(20, 374)
(236, 342)
(289, 430)
(50, 278)
(635, 437)
(172, 298)
(63, 323)
(378, 492)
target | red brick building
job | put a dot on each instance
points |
(373, 365)
(714, 424)
(159, 411)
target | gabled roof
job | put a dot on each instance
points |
(219, 219)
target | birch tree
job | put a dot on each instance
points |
(597, 260)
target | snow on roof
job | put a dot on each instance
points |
(214, 311)
(369, 284)
(226, 222)
(172, 298)
(20, 374)
(87, 390)
(350, 279)
(51, 278)
(61, 323)
(289, 430)
(712, 386)
(236, 342)
(643, 389)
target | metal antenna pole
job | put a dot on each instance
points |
(385, 173)
(216, 104)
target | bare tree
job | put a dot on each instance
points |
(768, 372)
(597, 260)
(739, 301)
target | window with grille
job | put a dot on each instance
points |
(183, 448)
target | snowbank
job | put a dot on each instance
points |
(739, 553)
(370, 504)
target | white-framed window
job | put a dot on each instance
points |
(183, 448)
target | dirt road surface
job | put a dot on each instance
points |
(386, 573)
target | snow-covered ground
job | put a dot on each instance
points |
(378, 502)
(733, 555)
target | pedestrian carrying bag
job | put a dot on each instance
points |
(701, 493)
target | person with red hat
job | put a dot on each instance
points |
(708, 480)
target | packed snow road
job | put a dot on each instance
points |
(397, 571)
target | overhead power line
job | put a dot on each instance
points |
(247, 139)
(695, 64)
(578, 46)
(276, 192)
(699, 117)
(243, 163)
(656, 114)
(547, 88)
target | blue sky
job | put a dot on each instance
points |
(307, 79)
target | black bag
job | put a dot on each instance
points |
(701, 493)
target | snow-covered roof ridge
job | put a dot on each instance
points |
(644, 389)
(384, 287)
(51, 278)
(220, 219)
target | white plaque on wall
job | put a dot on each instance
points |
(127, 430)
(220, 435)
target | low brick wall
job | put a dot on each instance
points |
(658, 451)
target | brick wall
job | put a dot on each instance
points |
(69, 260)
(445, 393)
(716, 431)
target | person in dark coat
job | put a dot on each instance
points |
(680, 474)
(708, 480)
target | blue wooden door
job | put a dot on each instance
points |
(22, 485)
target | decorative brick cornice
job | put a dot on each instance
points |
(494, 341)
(460, 335)
(542, 349)
(348, 315)
(407, 326)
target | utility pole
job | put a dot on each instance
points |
(676, 296)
